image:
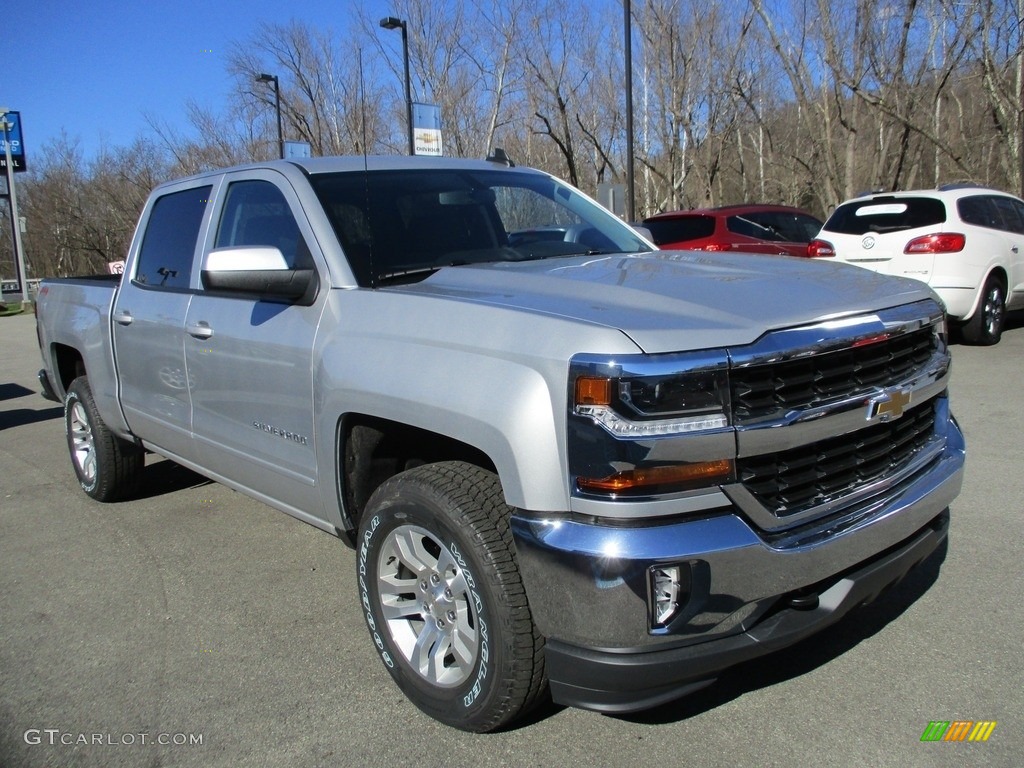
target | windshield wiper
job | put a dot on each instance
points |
(763, 227)
(413, 272)
(402, 274)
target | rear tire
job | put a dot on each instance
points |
(107, 467)
(443, 598)
(986, 326)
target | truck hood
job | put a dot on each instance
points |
(669, 301)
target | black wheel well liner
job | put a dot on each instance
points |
(1000, 272)
(69, 364)
(372, 449)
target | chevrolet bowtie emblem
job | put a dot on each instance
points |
(889, 406)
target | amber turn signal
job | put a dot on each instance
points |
(591, 390)
(663, 477)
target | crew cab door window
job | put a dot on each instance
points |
(256, 213)
(169, 244)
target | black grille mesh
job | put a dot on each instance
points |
(765, 390)
(792, 480)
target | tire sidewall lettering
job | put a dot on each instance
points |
(364, 593)
(478, 603)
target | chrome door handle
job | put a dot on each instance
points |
(200, 330)
(123, 317)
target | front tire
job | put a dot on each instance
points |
(107, 467)
(986, 327)
(443, 598)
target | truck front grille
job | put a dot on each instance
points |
(762, 391)
(791, 481)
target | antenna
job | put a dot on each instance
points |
(498, 155)
(366, 169)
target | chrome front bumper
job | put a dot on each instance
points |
(588, 585)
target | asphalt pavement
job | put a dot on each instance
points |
(196, 627)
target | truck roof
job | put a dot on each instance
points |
(353, 163)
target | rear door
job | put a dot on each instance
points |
(250, 359)
(149, 319)
(1011, 213)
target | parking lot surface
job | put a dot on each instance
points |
(196, 627)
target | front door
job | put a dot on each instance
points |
(250, 360)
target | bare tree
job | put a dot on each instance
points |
(323, 91)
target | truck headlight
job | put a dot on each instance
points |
(649, 406)
(649, 425)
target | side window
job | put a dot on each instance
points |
(977, 210)
(165, 258)
(256, 213)
(1019, 207)
(1008, 212)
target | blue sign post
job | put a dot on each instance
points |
(12, 136)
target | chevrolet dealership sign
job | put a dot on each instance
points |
(12, 135)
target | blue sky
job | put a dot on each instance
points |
(95, 69)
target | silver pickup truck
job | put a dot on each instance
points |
(568, 462)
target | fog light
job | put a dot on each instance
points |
(666, 591)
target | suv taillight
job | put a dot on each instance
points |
(817, 249)
(944, 242)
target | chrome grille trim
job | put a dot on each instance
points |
(788, 430)
(841, 359)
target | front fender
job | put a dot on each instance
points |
(493, 378)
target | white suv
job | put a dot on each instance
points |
(964, 241)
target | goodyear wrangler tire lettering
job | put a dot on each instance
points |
(365, 596)
(443, 599)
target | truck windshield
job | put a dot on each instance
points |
(405, 225)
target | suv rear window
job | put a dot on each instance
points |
(681, 229)
(886, 214)
(775, 226)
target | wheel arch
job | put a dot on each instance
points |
(371, 449)
(68, 364)
(996, 270)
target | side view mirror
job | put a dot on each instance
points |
(258, 270)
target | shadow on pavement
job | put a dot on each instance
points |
(20, 417)
(164, 476)
(11, 391)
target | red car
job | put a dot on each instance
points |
(775, 229)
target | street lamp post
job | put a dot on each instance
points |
(392, 23)
(265, 78)
(630, 189)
